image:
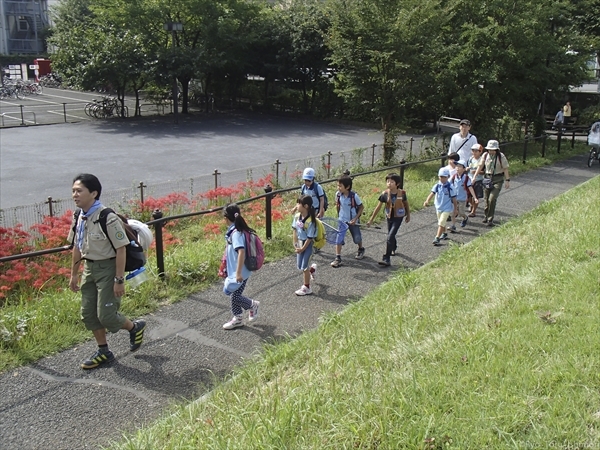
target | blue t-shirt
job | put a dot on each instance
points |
(347, 212)
(458, 183)
(315, 191)
(444, 193)
(305, 228)
(235, 240)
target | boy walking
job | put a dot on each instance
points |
(445, 203)
(462, 185)
(349, 208)
(396, 209)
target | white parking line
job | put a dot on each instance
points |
(60, 113)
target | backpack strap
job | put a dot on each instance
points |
(338, 203)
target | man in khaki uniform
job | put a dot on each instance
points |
(102, 282)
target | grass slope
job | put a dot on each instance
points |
(492, 346)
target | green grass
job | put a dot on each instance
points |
(504, 356)
(50, 320)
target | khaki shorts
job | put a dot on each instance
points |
(99, 306)
(442, 218)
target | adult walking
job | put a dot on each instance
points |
(494, 166)
(102, 282)
(463, 141)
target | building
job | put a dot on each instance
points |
(23, 25)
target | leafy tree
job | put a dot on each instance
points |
(383, 55)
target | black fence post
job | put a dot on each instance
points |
(402, 163)
(544, 137)
(269, 221)
(559, 135)
(373, 155)
(329, 163)
(141, 188)
(525, 150)
(22, 118)
(50, 209)
(65, 111)
(160, 254)
(277, 163)
(216, 174)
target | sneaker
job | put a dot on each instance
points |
(253, 312)
(385, 261)
(304, 291)
(97, 359)
(484, 220)
(393, 253)
(490, 223)
(337, 262)
(452, 229)
(464, 222)
(136, 336)
(444, 236)
(360, 254)
(233, 323)
(436, 241)
(313, 269)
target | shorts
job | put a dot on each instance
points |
(443, 218)
(99, 306)
(303, 259)
(461, 208)
(356, 235)
(478, 188)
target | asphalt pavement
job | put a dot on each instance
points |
(54, 404)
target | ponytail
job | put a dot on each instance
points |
(233, 213)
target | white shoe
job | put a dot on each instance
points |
(253, 312)
(233, 323)
(304, 291)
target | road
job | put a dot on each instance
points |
(38, 162)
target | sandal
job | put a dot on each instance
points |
(472, 215)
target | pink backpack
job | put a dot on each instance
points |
(255, 252)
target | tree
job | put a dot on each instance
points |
(383, 55)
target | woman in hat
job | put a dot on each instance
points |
(494, 167)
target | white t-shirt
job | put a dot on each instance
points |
(461, 145)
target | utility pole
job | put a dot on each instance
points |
(174, 27)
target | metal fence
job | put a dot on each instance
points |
(285, 173)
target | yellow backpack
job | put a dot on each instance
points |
(319, 240)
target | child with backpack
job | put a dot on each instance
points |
(462, 185)
(445, 203)
(237, 272)
(349, 208)
(396, 210)
(304, 226)
(315, 191)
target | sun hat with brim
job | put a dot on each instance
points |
(492, 145)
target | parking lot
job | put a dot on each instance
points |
(51, 106)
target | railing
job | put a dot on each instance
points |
(159, 221)
(21, 113)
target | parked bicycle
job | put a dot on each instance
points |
(106, 107)
(51, 80)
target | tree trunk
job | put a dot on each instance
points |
(389, 141)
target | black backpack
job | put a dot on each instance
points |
(135, 256)
(313, 188)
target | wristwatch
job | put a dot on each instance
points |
(119, 280)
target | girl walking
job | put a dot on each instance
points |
(304, 228)
(237, 272)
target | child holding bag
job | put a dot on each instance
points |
(237, 272)
(304, 228)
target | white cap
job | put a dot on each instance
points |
(443, 172)
(308, 174)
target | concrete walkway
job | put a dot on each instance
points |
(54, 404)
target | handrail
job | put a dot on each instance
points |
(159, 221)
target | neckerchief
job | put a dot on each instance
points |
(81, 225)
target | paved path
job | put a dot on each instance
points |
(39, 162)
(54, 404)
